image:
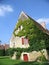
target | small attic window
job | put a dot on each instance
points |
(20, 27)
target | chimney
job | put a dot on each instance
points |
(43, 24)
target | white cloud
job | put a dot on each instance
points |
(4, 9)
(46, 20)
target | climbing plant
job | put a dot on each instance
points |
(38, 40)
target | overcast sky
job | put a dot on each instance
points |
(10, 10)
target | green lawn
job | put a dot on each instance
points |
(8, 61)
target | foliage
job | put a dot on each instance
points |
(42, 58)
(37, 38)
(7, 52)
(18, 54)
(11, 51)
(2, 52)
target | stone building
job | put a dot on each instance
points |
(22, 42)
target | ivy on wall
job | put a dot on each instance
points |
(37, 38)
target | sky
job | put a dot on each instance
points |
(11, 9)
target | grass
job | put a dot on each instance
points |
(7, 61)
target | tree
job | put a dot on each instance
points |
(0, 41)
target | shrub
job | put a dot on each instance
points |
(11, 51)
(42, 58)
(2, 52)
(18, 54)
(7, 53)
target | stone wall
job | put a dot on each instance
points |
(32, 56)
(17, 43)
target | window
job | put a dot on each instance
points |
(24, 41)
(19, 27)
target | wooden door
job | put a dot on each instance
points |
(25, 56)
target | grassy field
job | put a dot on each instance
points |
(8, 61)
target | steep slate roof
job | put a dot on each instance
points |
(25, 16)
